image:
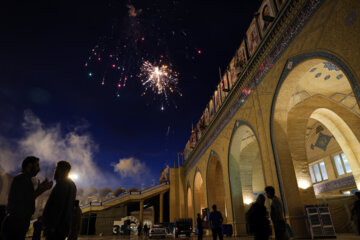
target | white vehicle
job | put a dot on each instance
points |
(157, 231)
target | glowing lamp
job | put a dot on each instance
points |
(304, 184)
(247, 201)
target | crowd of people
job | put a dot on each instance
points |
(62, 214)
(257, 219)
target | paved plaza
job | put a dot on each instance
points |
(339, 237)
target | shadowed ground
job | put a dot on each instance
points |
(339, 237)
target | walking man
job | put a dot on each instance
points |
(58, 210)
(216, 220)
(277, 215)
(21, 200)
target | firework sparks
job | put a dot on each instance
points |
(161, 80)
(117, 59)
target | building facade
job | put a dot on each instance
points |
(286, 113)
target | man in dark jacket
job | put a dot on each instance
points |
(216, 220)
(59, 207)
(199, 227)
(258, 219)
(76, 222)
(355, 212)
(37, 225)
(277, 215)
(21, 200)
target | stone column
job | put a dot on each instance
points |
(141, 212)
(161, 208)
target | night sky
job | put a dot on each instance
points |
(51, 108)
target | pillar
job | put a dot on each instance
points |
(141, 212)
(161, 208)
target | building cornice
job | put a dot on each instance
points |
(289, 22)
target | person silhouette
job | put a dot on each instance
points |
(199, 227)
(21, 200)
(37, 225)
(277, 215)
(258, 219)
(139, 229)
(58, 210)
(216, 220)
(355, 212)
(75, 222)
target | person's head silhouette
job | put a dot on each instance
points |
(30, 165)
(62, 170)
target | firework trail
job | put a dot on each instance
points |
(133, 48)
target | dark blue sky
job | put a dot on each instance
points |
(43, 50)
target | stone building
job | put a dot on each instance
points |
(286, 114)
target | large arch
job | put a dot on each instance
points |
(199, 193)
(245, 172)
(190, 210)
(314, 86)
(215, 184)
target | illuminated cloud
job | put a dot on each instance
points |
(130, 167)
(51, 145)
(8, 156)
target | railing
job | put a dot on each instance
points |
(102, 203)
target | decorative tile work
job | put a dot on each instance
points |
(345, 182)
(322, 141)
(340, 76)
(290, 33)
(330, 66)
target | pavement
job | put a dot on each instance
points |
(339, 237)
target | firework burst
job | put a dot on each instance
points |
(160, 79)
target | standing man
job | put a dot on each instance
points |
(277, 215)
(58, 210)
(139, 229)
(199, 227)
(216, 220)
(37, 225)
(76, 221)
(355, 212)
(21, 200)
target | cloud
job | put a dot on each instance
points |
(8, 155)
(130, 167)
(51, 145)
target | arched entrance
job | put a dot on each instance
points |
(315, 130)
(199, 193)
(245, 172)
(215, 185)
(190, 210)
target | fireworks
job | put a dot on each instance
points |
(132, 49)
(161, 79)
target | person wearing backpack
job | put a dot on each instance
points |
(257, 219)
